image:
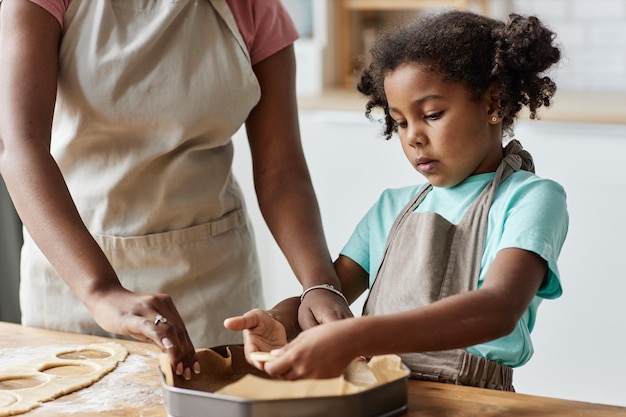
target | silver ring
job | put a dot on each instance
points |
(159, 319)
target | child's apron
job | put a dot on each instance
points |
(427, 258)
(149, 95)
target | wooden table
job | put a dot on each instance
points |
(134, 389)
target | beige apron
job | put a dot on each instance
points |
(427, 258)
(149, 95)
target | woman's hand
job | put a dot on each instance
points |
(319, 352)
(261, 333)
(146, 317)
(322, 306)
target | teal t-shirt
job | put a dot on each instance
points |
(528, 212)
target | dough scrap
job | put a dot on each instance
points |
(26, 386)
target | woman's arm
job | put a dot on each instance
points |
(284, 190)
(457, 321)
(29, 45)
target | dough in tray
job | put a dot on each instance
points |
(25, 386)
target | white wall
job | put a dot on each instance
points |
(580, 338)
(593, 37)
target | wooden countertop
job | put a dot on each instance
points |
(133, 389)
(568, 106)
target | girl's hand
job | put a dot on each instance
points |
(322, 306)
(319, 352)
(150, 317)
(261, 333)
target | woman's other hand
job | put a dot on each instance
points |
(322, 306)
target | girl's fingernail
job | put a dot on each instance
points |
(196, 367)
(187, 374)
(167, 343)
(179, 368)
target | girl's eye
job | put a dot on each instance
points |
(401, 124)
(433, 116)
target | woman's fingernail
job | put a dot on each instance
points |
(167, 343)
(187, 374)
(179, 368)
(196, 367)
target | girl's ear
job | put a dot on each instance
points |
(493, 103)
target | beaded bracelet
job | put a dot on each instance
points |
(328, 287)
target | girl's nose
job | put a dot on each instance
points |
(415, 136)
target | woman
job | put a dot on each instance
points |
(115, 147)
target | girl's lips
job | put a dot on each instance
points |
(425, 165)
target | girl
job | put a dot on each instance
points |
(471, 254)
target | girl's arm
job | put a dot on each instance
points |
(354, 279)
(265, 331)
(284, 189)
(29, 46)
(457, 321)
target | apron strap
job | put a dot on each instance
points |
(426, 258)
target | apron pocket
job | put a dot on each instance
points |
(230, 221)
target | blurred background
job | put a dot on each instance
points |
(580, 142)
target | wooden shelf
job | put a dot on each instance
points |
(569, 106)
(409, 4)
(351, 15)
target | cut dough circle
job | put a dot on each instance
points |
(7, 399)
(262, 356)
(27, 385)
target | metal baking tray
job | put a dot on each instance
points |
(385, 400)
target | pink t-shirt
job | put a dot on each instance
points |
(265, 25)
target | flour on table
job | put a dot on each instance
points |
(116, 390)
(26, 385)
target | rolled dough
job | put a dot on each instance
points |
(27, 385)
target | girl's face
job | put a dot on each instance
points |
(445, 135)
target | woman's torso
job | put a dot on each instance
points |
(149, 95)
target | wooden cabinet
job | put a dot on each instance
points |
(359, 20)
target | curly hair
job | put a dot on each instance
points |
(472, 50)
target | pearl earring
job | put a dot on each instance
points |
(494, 119)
